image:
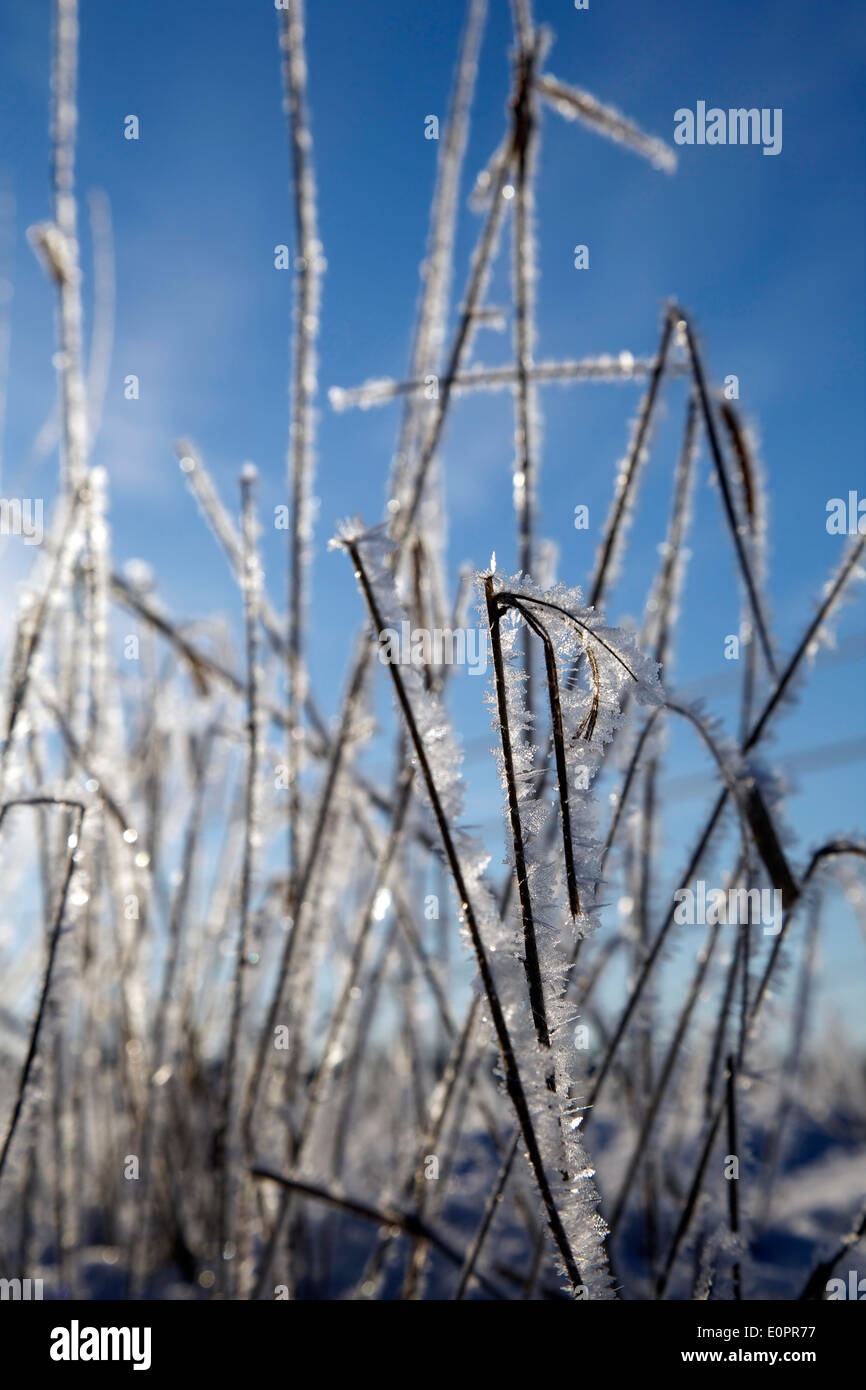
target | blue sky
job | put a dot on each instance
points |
(766, 253)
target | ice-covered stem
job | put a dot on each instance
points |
(479, 271)
(525, 602)
(57, 242)
(575, 104)
(309, 265)
(558, 736)
(78, 811)
(35, 620)
(828, 851)
(617, 521)
(221, 522)
(670, 578)
(734, 524)
(427, 552)
(644, 686)
(437, 267)
(623, 366)
(231, 1127)
(849, 568)
(721, 1026)
(513, 1081)
(521, 13)
(663, 609)
(523, 275)
(523, 292)
(102, 333)
(97, 623)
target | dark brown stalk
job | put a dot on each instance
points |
(632, 464)
(404, 1222)
(641, 1148)
(751, 497)
(585, 630)
(828, 851)
(651, 958)
(558, 735)
(853, 559)
(727, 497)
(530, 961)
(490, 1209)
(691, 1201)
(522, 257)
(628, 780)
(720, 1030)
(733, 1182)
